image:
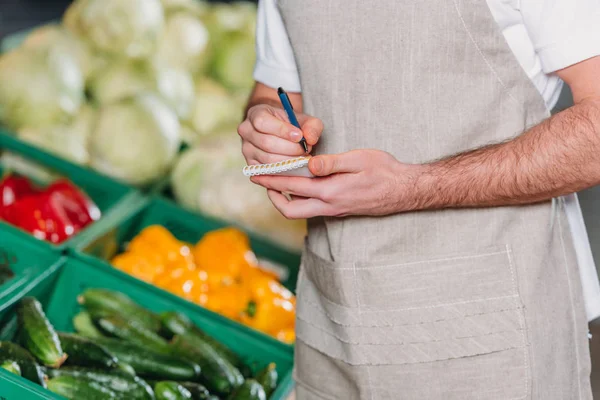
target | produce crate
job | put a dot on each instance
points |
(58, 293)
(30, 263)
(186, 226)
(111, 197)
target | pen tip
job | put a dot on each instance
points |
(280, 91)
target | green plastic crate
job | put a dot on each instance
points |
(111, 197)
(58, 294)
(186, 226)
(30, 263)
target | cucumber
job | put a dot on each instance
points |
(125, 368)
(108, 301)
(85, 353)
(134, 332)
(85, 326)
(198, 391)
(30, 369)
(37, 334)
(11, 366)
(176, 323)
(119, 382)
(6, 274)
(169, 390)
(80, 388)
(268, 378)
(218, 375)
(250, 390)
(149, 364)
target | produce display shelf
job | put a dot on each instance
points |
(186, 226)
(58, 292)
(112, 198)
(30, 263)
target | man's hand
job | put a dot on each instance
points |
(268, 137)
(360, 182)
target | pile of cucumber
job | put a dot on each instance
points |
(124, 351)
(6, 274)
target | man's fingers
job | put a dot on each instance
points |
(266, 122)
(297, 186)
(311, 127)
(254, 155)
(298, 208)
(349, 162)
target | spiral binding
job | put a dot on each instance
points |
(276, 168)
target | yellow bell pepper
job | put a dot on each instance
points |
(230, 301)
(226, 250)
(273, 307)
(220, 272)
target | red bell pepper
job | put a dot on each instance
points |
(92, 212)
(13, 188)
(54, 214)
(43, 217)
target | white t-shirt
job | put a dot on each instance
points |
(544, 35)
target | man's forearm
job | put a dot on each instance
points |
(561, 155)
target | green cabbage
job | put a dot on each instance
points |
(208, 178)
(176, 87)
(184, 43)
(128, 28)
(193, 7)
(53, 36)
(239, 17)
(127, 78)
(39, 86)
(135, 139)
(233, 63)
(123, 78)
(67, 141)
(214, 109)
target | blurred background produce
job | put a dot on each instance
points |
(122, 350)
(54, 213)
(149, 92)
(220, 272)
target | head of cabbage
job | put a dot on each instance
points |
(125, 78)
(69, 141)
(233, 61)
(197, 8)
(128, 28)
(135, 139)
(208, 178)
(214, 108)
(39, 86)
(184, 43)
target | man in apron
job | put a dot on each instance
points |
(444, 263)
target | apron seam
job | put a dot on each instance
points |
(314, 325)
(562, 245)
(358, 302)
(450, 258)
(369, 310)
(310, 388)
(375, 311)
(324, 312)
(522, 323)
(487, 62)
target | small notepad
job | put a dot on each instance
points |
(293, 167)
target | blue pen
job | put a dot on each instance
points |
(287, 106)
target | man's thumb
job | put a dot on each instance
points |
(327, 165)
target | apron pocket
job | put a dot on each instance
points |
(459, 311)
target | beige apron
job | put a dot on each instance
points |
(452, 304)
